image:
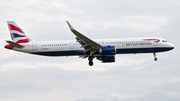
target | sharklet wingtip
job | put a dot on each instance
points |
(70, 26)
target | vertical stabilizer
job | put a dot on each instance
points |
(17, 34)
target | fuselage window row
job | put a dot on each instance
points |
(55, 45)
(126, 42)
(103, 43)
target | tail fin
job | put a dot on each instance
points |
(17, 34)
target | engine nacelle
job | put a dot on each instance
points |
(105, 59)
(108, 50)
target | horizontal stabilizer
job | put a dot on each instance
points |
(14, 44)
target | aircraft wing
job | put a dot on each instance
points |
(88, 44)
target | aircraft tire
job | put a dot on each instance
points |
(155, 59)
(90, 58)
(90, 63)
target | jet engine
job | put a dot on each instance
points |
(106, 59)
(107, 50)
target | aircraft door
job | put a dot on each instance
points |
(71, 45)
(34, 46)
(155, 43)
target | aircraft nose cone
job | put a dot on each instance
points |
(171, 45)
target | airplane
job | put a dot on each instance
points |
(84, 47)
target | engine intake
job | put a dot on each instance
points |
(108, 50)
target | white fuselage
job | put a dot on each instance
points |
(72, 47)
(102, 49)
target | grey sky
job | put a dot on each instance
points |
(131, 78)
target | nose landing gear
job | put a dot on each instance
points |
(155, 58)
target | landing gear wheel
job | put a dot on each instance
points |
(90, 58)
(90, 63)
(155, 59)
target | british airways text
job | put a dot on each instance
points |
(134, 44)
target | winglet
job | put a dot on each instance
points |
(71, 28)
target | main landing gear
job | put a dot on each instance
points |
(155, 58)
(90, 60)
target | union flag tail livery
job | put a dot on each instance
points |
(84, 47)
(17, 34)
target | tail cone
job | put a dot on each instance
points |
(8, 46)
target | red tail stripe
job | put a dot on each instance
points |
(23, 41)
(12, 27)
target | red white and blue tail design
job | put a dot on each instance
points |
(17, 34)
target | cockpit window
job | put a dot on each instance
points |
(164, 41)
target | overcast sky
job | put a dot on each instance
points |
(26, 77)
